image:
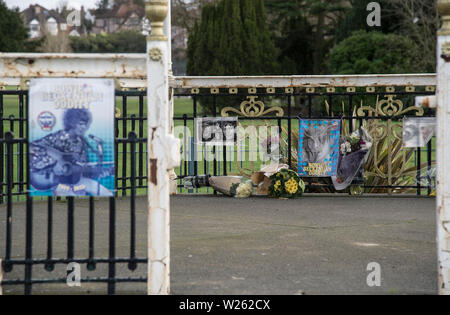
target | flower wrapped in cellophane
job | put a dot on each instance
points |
(354, 151)
(233, 186)
(244, 189)
(286, 184)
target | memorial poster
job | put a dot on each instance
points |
(216, 131)
(71, 137)
(318, 145)
(418, 131)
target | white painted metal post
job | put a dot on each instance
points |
(443, 149)
(1, 277)
(163, 149)
(168, 30)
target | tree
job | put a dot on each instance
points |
(185, 13)
(296, 49)
(125, 41)
(231, 39)
(102, 5)
(374, 53)
(14, 34)
(59, 43)
(356, 19)
(416, 19)
(312, 22)
(419, 20)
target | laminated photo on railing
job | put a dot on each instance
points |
(216, 130)
(418, 131)
(71, 137)
(318, 147)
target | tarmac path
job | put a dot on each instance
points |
(318, 244)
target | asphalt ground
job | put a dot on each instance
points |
(317, 244)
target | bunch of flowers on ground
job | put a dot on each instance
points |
(243, 189)
(286, 184)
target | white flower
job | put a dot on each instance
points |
(244, 190)
(354, 135)
(346, 147)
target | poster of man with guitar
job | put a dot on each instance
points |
(71, 151)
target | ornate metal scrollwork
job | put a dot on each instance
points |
(252, 108)
(155, 54)
(380, 131)
(389, 107)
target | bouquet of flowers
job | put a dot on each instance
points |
(233, 186)
(244, 189)
(354, 143)
(286, 184)
(354, 151)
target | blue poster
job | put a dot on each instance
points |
(71, 137)
(318, 147)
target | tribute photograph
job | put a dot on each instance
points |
(71, 137)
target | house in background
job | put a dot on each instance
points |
(126, 16)
(40, 20)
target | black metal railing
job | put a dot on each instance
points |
(310, 104)
(42, 243)
(103, 235)
(131, 115)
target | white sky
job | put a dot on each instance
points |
(50, 4)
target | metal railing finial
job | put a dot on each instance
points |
(156, 11)
(444, 10)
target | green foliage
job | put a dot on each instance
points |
(356, 19)
(415, 19)
(231, 39)
(126, 41)
(296, 49)
(102, 5)
(374, 53)
(14, 34)
(400, 160)
(304, 26)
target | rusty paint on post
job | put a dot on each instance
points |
(128, 69)
(307, 81)
(154, 171)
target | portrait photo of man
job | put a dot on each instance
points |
(71, 147)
